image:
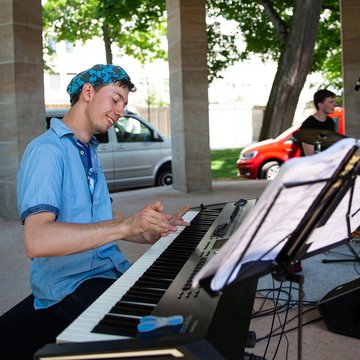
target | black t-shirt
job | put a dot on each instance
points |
(312, 123)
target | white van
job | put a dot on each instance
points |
(132, 153)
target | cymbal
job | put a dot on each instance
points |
(310, 136)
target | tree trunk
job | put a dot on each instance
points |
(107, 42)
(293, 67)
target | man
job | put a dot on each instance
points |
(65, 206)
(324, 101)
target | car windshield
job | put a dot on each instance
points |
(286, 133)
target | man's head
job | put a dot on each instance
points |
(99, 75)
(323, 96)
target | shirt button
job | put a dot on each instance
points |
(82, 152)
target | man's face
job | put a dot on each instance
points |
(107, 105)
(327, 107)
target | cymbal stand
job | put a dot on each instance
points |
(317, 145)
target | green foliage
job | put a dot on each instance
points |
(332, 75)
(264, 25)
(154, 99)
(137, 27)
(223, 163)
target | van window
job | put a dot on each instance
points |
(54, 113)
(102, 138)
(128, 129)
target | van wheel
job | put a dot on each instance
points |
(164, 176)
(269, 170)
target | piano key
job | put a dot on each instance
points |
(168, 264)
(80, 329)
(179, 247)
(128, 308)
(118, 325)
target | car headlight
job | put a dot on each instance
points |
(248, 155)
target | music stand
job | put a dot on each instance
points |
(355, 258)
(352, 189)
(278, 231)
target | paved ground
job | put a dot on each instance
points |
(14, 264)
(318, 342)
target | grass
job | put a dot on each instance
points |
(223, 164)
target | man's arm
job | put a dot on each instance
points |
(308, 149)
(150, 237)
(43, 236)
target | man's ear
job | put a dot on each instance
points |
(87, 91)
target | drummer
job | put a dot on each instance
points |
(324, 101)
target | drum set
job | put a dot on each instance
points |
(321, 139)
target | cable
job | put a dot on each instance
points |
(288, 322)
(272, 326)
(248, 356)
(287, 331)
(288, 302)
(283, 327)
(282, 298)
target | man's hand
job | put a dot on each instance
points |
(151, 223)
(44, 236)
(177, 218)
(150, 218)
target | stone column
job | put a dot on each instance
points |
(350, 41)
(189, 105)
(22, 91)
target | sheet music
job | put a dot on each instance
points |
(334, 229)
(261, 236)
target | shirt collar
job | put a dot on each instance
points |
(61, 130)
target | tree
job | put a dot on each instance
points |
(137, 27)
(303, 36)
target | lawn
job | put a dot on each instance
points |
(223, 163)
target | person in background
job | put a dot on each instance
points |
(70, 227)
(324, 101)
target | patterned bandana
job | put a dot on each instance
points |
(96, 76)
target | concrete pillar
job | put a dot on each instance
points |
(22, 91)
(189, 105)
(350, 41)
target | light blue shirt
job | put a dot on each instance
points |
(53, 177)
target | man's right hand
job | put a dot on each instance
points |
(151, 219)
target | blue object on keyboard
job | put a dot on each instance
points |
(149, 323)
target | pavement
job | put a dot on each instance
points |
(317, 341)
(14, 265)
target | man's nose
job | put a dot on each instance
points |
(119, 110)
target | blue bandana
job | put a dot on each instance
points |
(96, 76)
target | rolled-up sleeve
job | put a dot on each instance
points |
(39, 181)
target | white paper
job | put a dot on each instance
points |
(261, 236)
(336, 228)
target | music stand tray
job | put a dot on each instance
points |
(292, 219)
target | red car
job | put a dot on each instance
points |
(263, 159)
